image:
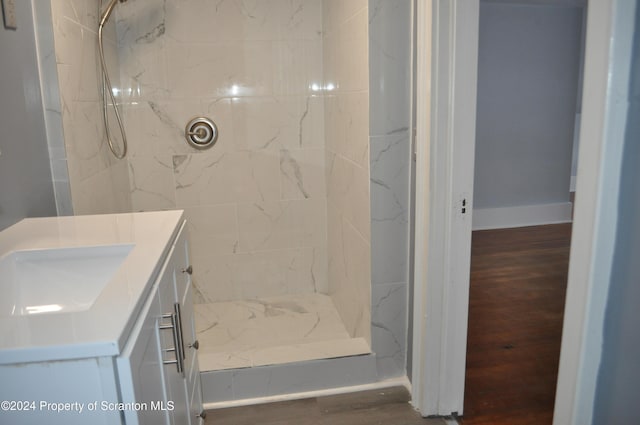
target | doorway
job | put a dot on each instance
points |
(529, 61)
(609, 31)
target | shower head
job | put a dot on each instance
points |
(107, 12)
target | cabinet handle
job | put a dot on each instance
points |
(180, 339)
(179, 360)
(188, 270)
(195, 344)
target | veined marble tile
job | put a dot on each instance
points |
(241, 19)
(297, 67)
(302, 173)
(158, 127)
(142, 49)
(389, 54)
(213, 278)
(298, 19)
(282, 224)
(141, 22)
(213, 20)
(348, 192)
(76, 47)
(390, 162)
(346, 50)
(347, 116)
(336, 262)
(349, 274)
(310, 351)
(214, 68)
(214, 177)
(213, 229)
(336, 12)
(272, 330)
(143, 72)
(259, 274)
(275, 123)
(353, 62)
(120, 182)
(81, 12)
(151, 182)
(389, 328)
(223, 360)
(102, 193)
(87, 151)
(213, 313)
(231, 68)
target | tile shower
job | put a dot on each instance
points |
(279, 209)
(276, 209)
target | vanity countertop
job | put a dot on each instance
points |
(102, 328)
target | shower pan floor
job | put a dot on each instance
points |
(274, 330)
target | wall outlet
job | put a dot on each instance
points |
(9, 14)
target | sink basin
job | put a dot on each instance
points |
(57, 280)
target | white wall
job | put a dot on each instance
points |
(619, 374)
(528, 72)
(26, 188)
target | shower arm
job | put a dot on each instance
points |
(107, 12)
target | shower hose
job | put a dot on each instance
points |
(107, 88)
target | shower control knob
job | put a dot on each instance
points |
(195, 344)
(201, 133)
(188, 270)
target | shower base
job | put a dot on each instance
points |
(274, 330)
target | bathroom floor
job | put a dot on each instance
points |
(272, 330)
(388, 406)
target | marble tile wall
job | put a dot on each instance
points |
(390, 159)
(97, 181)
(256, 201)
(346, 112)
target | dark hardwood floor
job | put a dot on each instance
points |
(516, 303)
(378, 407)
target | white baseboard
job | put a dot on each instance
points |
(572, 184)
(529, 215)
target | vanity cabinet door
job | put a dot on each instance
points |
(184, 293)
(172, 346)
(181, 372)
(140, 370)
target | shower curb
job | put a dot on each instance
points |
(255, 385)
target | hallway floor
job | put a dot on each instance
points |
(274, 330)
(516, 304)
(377, 407)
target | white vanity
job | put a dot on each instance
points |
(96, 321)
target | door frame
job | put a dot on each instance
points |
(446, 84)
(440, 306)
